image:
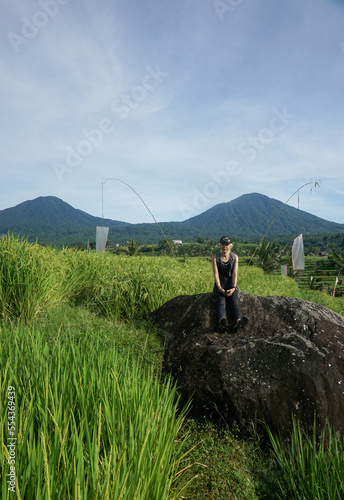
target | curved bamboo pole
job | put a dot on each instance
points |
(137, 194)
(273, 220)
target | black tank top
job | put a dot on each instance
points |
(225, 270)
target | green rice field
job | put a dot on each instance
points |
(84, 410)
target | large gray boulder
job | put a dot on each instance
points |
(288, 360)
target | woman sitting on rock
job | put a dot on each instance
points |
(225, 267)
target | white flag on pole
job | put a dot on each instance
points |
(101, 238)
(297, 254)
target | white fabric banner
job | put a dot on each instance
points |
(101, 238)
(334, 290)
(297, 254)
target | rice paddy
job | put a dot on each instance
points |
(84, 412)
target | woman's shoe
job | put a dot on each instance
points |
(223, 324)
(241, 324)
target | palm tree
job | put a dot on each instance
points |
(268, 256)
(336, 259)
(133, 247)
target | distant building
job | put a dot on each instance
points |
(177, 242)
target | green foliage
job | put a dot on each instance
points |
(133, 247)
(90, 423)
(225, 466)
(315, 284)
(137, 339)
(125, 287)
(337, 259)
(34, 279)
(167, 247)
(310, 470)
(268, 256)
(205, 249)
(26, 284)
(91, 408)
(255, 281)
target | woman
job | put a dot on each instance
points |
(225, 267)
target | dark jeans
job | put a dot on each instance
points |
(227, 304)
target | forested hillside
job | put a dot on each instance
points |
(51, 220)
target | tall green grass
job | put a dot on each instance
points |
(226, 466)
(26, 283)
(127, 287)
(257, 282)
(89, 423)
(93, 420)
(34, 279)
(311, 469)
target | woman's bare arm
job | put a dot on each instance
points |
(216, 274)
(235, 271)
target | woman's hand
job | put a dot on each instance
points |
(227, 293)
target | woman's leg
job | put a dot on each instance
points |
(233, 305)
(220, 303)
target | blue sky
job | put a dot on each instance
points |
(191, 103)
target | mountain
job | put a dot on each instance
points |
(251, 215)
(51, 220)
